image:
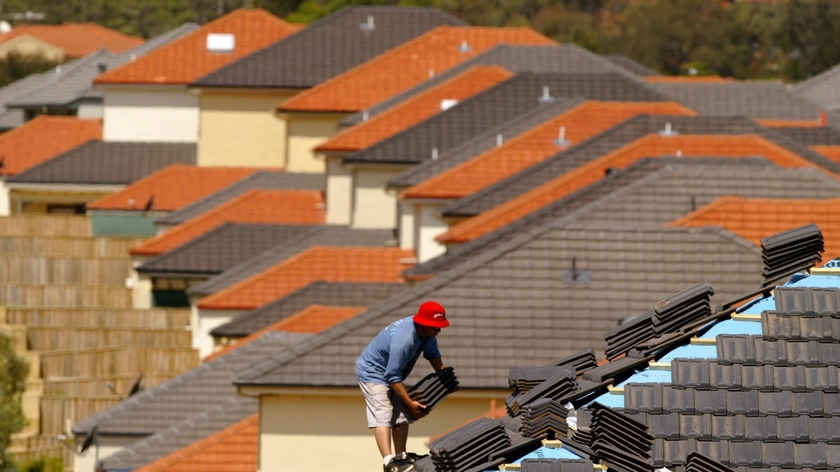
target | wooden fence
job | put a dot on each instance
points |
(46, 339)
(64, 295)
(114, 385)
(102, 317)
(109, 361)
(45, 225)
(23, 269)
(57, 246)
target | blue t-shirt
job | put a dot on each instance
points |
(391, 354)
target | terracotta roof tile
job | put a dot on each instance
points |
(754, 219)
(43, 138)
(648, 146)
(350, 264)
(255, 206)
(578, 124)
(233, 449)
(405, 66)
(415, 109)
(187, 59)
(166, 187)
(818, 123)
(831, 152)
(76, 39)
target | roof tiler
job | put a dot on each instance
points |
(415, 109)
(255, 206)
(43, 138)
(651, 145)
(405, 66)
(166, 190)
(349, 264)
(204, 50)
(543, 141)
(76, 39)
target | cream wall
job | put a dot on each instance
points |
(163, 114)
(140, 285)
(325, 429)
(205, 321)
(5, 202)
(36, 198)
(305, 132)
(103, 447)
(373, 205)
(339, 192)
(406, 225)
(240, 128)
(428, 225)
(30, 45)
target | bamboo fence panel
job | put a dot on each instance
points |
(43, 225)
(56, 410)
(117, 360)
(64, 295)
(102, 317)
(120, 384)
(64, 270)
(31, 448)
(45, 339)
(52, 246)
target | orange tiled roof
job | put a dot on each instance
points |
(406, 66)
(332, 264)
(831, 152)
(754, 219)
(166, 187)
(76, 39)
(711, 79)
(43, 138)
(649, 146)
(255, 206)
(816, 123)
(578, 124)
(187, 59)
(233, 449)
(415, 109)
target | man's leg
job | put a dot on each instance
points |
(383, 439)
(400, 433)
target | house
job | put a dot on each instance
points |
(65, 41)
(238, 101)
(149, 99)
(312, 116)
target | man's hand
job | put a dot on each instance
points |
(417, 409)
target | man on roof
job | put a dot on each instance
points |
(383, 366)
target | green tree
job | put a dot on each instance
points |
(16, 66)
(809, 37)
(13, 372)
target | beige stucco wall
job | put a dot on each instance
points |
(405, 219)
(241, 128)
(428, 225)
(339, 191)
(373, 205)
(165, 113)
(305, 132)
(206, 321)
(326, 430)
(140, 285)
(30, 45)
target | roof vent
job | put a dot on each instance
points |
(464, 47)
(102, 66)
(434, 153)
(365, 115)
(561, 140)
(5, 26)
(220, 42)
(546, 95)
(431, 73)
(368, 25)
(448, 103)
(668, 130)
(499, 140)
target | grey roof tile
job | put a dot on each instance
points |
(812, 136)
(517, 58)
(822, 89)
(328, 47)
(266, 180)
(517, 95)
(12, 118)
(316, 293)
(612, 139)
(107, 162)
(321, 235)
(220, 249)
(631, 65)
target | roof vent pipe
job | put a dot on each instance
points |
(499, 140)
(464, 47)
(561, 140)
(368, 25)
(434, 153)
(546, 95)
(668, 130)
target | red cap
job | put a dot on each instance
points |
(431, 314)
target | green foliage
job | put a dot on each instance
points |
(16, 66)
(44, 464)
(13, 372)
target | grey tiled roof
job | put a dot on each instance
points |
(520, 286)
(631, 65)
(184, 409)
(266, 180)
(495, 106)
(822, 89)
(517, 58)
(220, 249)
(107, 162)
(322, 235)
(316, 293)
(756, 100)
(631, 196)
(612, 139)
(11, 118)
(328, 47)
(812, 136)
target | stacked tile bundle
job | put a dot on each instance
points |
(789, 251)
(696, 462)
(628, 335)
(553, 388)
(473, 447)
(554, 465)
(619, 442)
(433, 388)
(545, 418)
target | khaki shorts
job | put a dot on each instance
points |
(384, 407)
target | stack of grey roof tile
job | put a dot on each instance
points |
(789, 251)
(526, 378)
(556, 465)
(555, 387)
(431, 389)
(581, 361)
(545, 418)
(619, 442)
(696, 462)
(670, 315)
(468, 448)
